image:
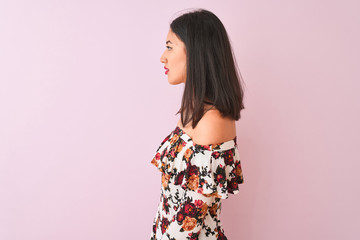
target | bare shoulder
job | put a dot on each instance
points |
(214, 128)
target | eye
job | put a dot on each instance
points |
(168, 47)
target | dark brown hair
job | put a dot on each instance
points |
(211, 69)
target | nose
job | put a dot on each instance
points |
(162, 58)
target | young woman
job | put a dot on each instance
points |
(199, 160)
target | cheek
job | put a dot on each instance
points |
(182, 65)
(177, 67)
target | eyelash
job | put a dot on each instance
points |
(168, 47)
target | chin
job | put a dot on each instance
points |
(174, 82)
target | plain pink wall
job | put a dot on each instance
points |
(84, 103)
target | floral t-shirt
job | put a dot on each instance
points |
(194, 179)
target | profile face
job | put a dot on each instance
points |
(174, 59)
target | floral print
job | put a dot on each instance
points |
(194, 179)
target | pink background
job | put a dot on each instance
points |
(84, 103)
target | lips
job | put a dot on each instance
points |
(167, 70)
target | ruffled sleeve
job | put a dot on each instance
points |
(213, 172)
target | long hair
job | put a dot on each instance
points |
(211, 69)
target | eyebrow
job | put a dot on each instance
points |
(168, 41)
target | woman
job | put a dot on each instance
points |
(199, 160)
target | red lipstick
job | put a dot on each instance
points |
(167, 70)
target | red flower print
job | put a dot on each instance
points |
(219, 178)
(166, 205)
(164, 224)
(172, 153)
(155, 225)
(232, 185)
(194, 236)
(220, 175)
(200, 190)
(189, 209)
(193, 170)
(179, 178)
(215, 155)
(198, 203)
(167, 138)
(228, 157)
(180, 217)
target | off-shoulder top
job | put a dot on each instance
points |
(194, 179)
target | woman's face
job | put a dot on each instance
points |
(174, 59)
